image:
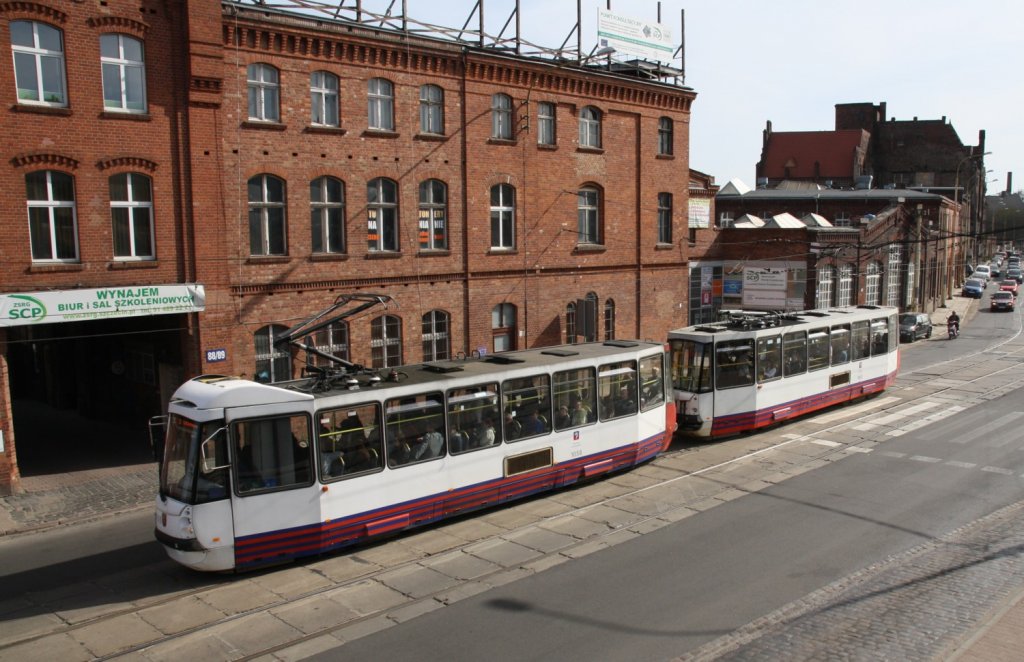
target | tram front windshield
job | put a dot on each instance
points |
(194, 464)
(691, 366)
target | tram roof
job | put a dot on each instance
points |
(749, 321)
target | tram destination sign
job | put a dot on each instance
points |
(24, 308)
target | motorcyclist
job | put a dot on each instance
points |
(953, 323)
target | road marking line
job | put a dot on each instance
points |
(962, 465)
(997, 470)
(825, 442)
(925, 458)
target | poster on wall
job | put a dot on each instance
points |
(764, 287)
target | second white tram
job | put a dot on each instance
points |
(757, 369)
(260, 473)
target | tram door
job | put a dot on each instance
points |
(273, 469)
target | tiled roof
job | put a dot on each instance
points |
(834, 151)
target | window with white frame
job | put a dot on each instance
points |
(826, 278)
(503, 327)
(570, 323)
(503, 216)
(590, 127)
(131, 213)
(433, 215)
(431, 109)
(382, 215)
(665, 135)
(52, 216)
(436, 339)
(844, 293)
(38, 63)
(664, 218)
(381, 104)
(332, 340)
(272, 364)
(124, 73)
(386, 341)
(266, 216)
(873, 284)
(588, 209)
(892, 276)
(327, 214)
(323, 99)
(842, 220)
(262, 81)
(725, 219)
(545, 123)
(501, 117)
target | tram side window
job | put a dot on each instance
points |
(794, 351)
(817, 349)
(879, 337)
(769, 358)
(894, 333)
(415, 428)
(473, 418)
(840, 338)
(616, 389)
(273, 453)
(349, 441)
(652, 382)
(734, 363)
(575, 398)
(691, 366)
(527, 407)
(861, 341)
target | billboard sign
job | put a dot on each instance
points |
(646, 39)
(25, 308)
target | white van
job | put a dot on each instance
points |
(983, 270)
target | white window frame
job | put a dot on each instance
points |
(826, 281)
(380, 104)
(139, 213)
(590, 127)
(263, 85)
(333, 339)
(327, 216)
(436, 325)
(264, 214)
(433, 215)
(546, 127)
(892, 276)
(52, 206)
(501, 117)
(129, 73)
(844, 293)
(873, 284)
(323, 97)
(386, 341)
(588, 215)
(503, 215)
(270, 354)
(432, 110)
(382, 213)
(44, 77)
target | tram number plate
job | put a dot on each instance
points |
(216, 355)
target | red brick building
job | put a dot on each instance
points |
(237, 169)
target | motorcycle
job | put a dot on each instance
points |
(953, 329)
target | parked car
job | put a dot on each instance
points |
(983, 271)
(1009, 285)
(1016, 274)
(973, 287)
(1002, 300)
(914, 326)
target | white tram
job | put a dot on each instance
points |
(259, 473)
(758, 369)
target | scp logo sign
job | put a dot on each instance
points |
(23, 308)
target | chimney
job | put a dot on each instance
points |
(1009, 183)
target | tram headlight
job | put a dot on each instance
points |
(186, 521)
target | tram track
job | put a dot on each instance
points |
(637, 523)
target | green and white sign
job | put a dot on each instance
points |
(647, 39)
(77, 305)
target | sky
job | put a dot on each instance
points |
(791, 61)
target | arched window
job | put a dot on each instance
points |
(436, 339)
(323, 96)
(872, 284)
(266, 216)
(892, 276)
(844, 294)
(609, 319)
(826, 278)
(589, 330)
(264, 93)
(589, 215)
(433, 215)
(327, 214)
(131, 214)
(38, 63)
(272, 364)
(386, 341)
(503, 216)
(382, 215)
(333, 340)
(52, 216)
(665, 131)
(590, 127)
(501, 117)
(124, 73)
(431, 109)
(570, 323)
(503, 327)
(381, 100)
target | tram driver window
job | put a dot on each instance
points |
(272, 453)
(349, 441)
(415, 429)
(734, 363)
